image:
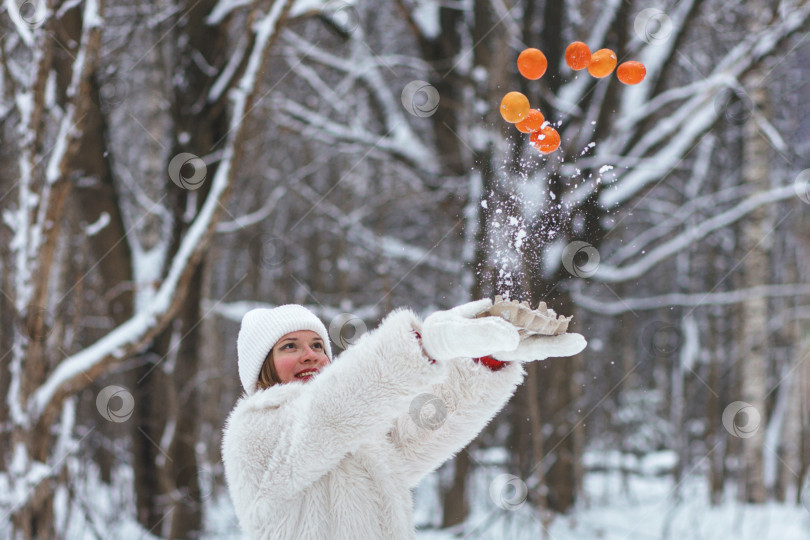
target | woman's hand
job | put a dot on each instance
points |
(457, 333)
(539, 347)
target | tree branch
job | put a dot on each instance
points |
(624, 305)
(614, 274)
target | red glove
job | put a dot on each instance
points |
(491, 363)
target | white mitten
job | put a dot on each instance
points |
(457, 333)
(539, 347)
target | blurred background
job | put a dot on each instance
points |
(167, 166)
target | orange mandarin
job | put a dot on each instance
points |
(532, 63)
(631, 72)
(514, 107)
(533, 122)
(577, 56)
(546, 140)
(603, 62)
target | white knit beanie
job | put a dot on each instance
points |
(262, 328)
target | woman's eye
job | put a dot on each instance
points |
(287, 345)
(319, 345)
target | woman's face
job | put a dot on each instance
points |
(299, 356)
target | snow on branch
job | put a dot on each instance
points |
(222, 9)
(254, 217)
(391, 142)
(321, 56)
(400, 140)
(726, 74)
(624, 305)
(23, 28)
(771, 133)
(655, 55)
(667, 158)
(91, 34)
(677, 134)
(614, 274)
(685, 113)
(678, 215)
(222, 83)
(571, 93)
(312, 77)
(146, 322)
(387, 245)
(36, 222)
(646, 109)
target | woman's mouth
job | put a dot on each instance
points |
(306, 374)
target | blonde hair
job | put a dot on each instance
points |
(268, 376)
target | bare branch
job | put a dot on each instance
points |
(389, 246)
(624, 305)
(613, 274)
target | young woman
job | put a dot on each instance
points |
(322, 450)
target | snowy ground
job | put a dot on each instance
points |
(641, 508)
(636, 507)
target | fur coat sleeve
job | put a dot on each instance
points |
(279, 441)
(449, 415)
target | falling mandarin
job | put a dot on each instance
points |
(603, 62)
(577, 56)
(546, 140)
(532, 63)
(514, 107)
(631, 72)
(533, 122)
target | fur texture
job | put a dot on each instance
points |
(336, 457)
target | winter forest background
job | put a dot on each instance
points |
(166, 166)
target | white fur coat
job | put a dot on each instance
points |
(336, 457)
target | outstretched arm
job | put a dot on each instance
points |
(445, 418)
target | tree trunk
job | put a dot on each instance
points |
(797, 425)
(754, 327)
(536, 422)
(151, 392)
(185, 473)
(198, 125)
(114, 260)
(714, 413)
(455, 506)
(32, 349)
(559, 395)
